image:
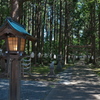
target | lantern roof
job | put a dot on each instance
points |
(17, 26)
(10, 26)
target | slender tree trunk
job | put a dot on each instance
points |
(66, 39)
(37, 27)
(33, 27)
(55, 27)
(60, 34)
(1, 15)
(92, 28)
(99, 30)
(15, 9)
(51, 23)
(57, 36)
(43, 27)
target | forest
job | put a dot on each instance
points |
(70, 28)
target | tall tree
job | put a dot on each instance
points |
(99, 27)
(15, 10)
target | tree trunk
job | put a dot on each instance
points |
(66, 34)
(15, 9)
(43, 27)
(99, 30)
(92, 29)
(51, 23)
(60, 32)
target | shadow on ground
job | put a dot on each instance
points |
(81, 84)
(30, 90)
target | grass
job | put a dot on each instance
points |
(44, 69)
(97, 71)
(41, 72)
(95, 68)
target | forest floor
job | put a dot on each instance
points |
(78, 82)
(44, 77)
(38, 74)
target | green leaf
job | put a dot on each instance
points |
(98, 1)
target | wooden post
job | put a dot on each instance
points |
(15, 78)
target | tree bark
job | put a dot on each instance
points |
(66, 38)
(99, 30)
(51, 23)
(43, 27)
(60, 34)
(16, 9)
(92, 29)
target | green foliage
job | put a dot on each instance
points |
(5, 9)
(41, 69)
(98, 1)
(1, 43)
(44, 70)
(58, 13)
(47, 47)
(95, 68)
